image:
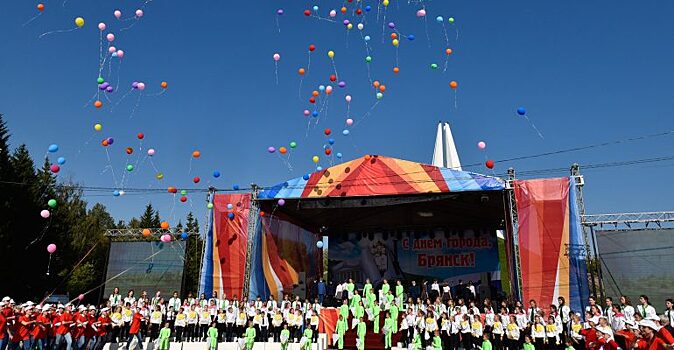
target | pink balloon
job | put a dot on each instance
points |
(150, 152)
(141, 86)
(348, 98)
(328, 89)
(306, 112)
(45, 214)
(421, 13)
(101, 26)
(277, 57)
(110, 37)
(349, 122)
(333, 13)
(80, 297)
(51, 248)
(120, 53)
(139, 13)
(481, 145)
(112, 49)
(118, 13)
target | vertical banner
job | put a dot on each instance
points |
(548, 231)
(226, 241)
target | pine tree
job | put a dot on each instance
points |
(193, 255)
(147, 219)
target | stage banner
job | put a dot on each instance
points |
(548, 232)
(461, 255)
(285, 259)
(224, 260)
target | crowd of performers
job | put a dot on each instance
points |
(435, 321)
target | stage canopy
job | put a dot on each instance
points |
(381, 176)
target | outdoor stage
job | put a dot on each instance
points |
(381, 217)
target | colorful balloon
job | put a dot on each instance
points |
(439, 19)
(79, 22)
(271, 149)
(45, 214)
(279, 12)
(347, 98)
(453, 84)
(54, 168)
(52, 203)
(61, 160)
(102, 26)
(319, 244)
(283, 150)
(40, 7)
(139, 13)
(196, 154)
(196, 179)
(216, 174)
(489, 164)
(277, 57)
(349, 122)
(53, 148)
(345, 132)
(281, 202)
(146, 232)
(120, 54)
(110, 37)
(521, 111)
(315, 159)
(129, 167)
(293, 144)
(118, 13)
(421, 13)
(150, 152)
(164, 225)
(51, 249)
(450, 20)
(331, 54)
(481, 145)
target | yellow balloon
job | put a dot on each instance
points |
(98, 127)
(315, 159)
(349, 26)
(331, 54)
(79, 21)
(159, 176)
(385, 2)
(395, 42)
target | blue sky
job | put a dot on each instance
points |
(587, 72)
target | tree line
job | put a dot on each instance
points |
(77, 229)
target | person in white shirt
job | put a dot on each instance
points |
(155, 300)
(645, 309)
(609, 309)
(565, 314)
(130, 299)
(115, 298)
(471, 289)
(532, 311)
(230, 320)
(592, 301)
(175, 301)
(627, 308)
(669, 312)
(435, 287)
(512, 334)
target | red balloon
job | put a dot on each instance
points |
(172, 190)
(333, 77)
(489, 164)
(262, 213)
(312, 100)
(183, 199)
(327, 131)
(359, 11)
(307, 13)
(196, 179)
(129, 150)
(312, 47)
(55, 168)
(328, 151)
(140, 136)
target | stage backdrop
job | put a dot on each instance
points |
(224, 261)
(551, 242)
(149, 266)
(415, 256)
(285, 259)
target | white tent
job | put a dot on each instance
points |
(445, 154)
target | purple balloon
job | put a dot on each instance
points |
(271, 149)
(281, 202)
(279, 12)
(342, 84)
(110, 140)
(346, 22)
(391, 25)
(134, 85)
(104, 86)
(109, 89)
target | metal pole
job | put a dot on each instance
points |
(252, 228)
(512, 206)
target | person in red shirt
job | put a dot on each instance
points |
(65, 321)
(102, 325)
(649, 335)
(4, 338)
(77, 331)
(24, 328)
(42, 328)
(135, 331)
(605, 340)
(91, 330)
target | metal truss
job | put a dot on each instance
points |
(627, 219)
(138, 232)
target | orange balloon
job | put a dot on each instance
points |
(283, 150)
(448, 52)
(146, 232)
(301, 71)
(129, 150)
(164, 225)
(396, 70)
(105, 143)
(394, 35)
(164, 85)
(40, 7)
(98, 104)
(376, 83)
(196, 154)
(314, 93)
(343, 9)
(382, 88)
(453, 84)
(367, 157)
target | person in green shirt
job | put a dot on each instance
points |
(164, 337)
(359, 310)
(437, 342)
(367, 287)
(394, 316)
(388, 330)
(569, 345)
(371, 298)
(486, 344)
(399, 292)
(285, 336)
(349, 288)
(344, 310)
(308, 336)
(360, 332)
(416, 341)
(385, 288)
(341, 329)
(250, 336)
(527, 343)
(376, 310)
(355, 300)
(213, 337)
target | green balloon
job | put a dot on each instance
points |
(380, 96)
(451, 19)
(368, 59)
(100, 80)
(210, 205)
(183, 192)
(434, 66)
(129, 167)
(293, 144)
(52, 203)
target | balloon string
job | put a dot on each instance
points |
(133, 111)
(534, 126)
(278, 26)
(64, 278)
(44, 230)
(309, 63)
(323, 18)
(58, 31)
(366, 114)
(456, 99)
(334, 67)
(276, 71)
(112, 169)
(49, 264)
(299, 90)
(428, 37)
(32, 19)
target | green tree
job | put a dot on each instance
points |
(147, 219)
(193, 255)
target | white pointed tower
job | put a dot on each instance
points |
(445, 154)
